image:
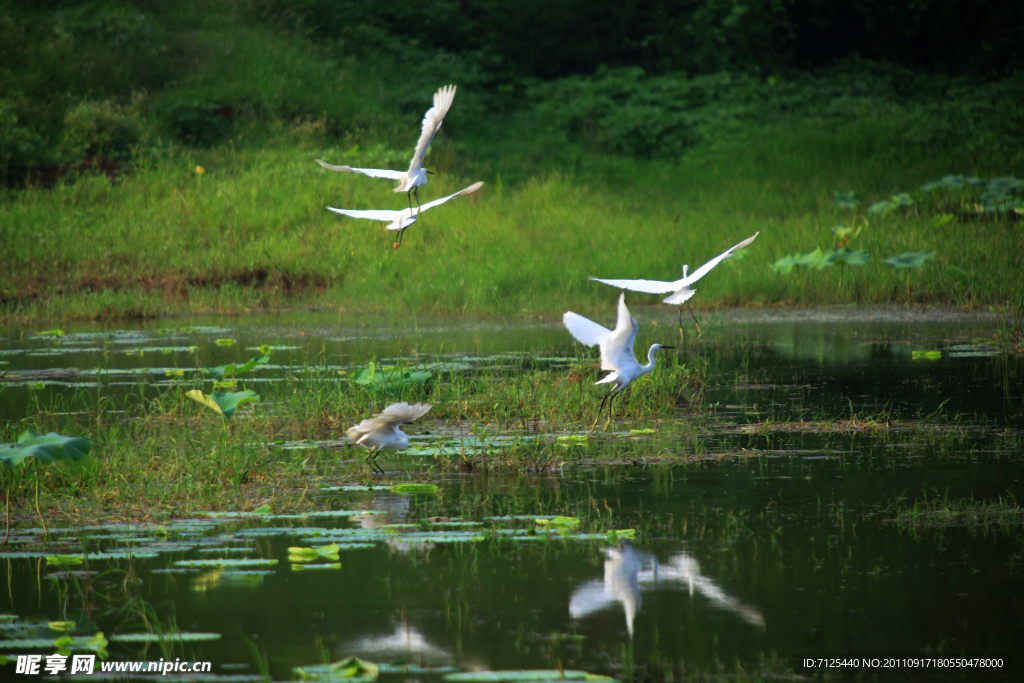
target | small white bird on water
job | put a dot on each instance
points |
(681, 288)
(616, 349)
(402, 219)
(383, 431)
(410, 181)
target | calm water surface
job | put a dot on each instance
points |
(791, 552)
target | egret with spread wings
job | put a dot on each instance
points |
(681, 288)
(402, 219)
(383, 431)
(410, 181)
(616, 349)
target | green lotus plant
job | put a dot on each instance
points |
(42, 450)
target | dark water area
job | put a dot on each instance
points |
(818, 544)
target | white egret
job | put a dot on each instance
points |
(680, 288)
(384, 430)
(616, 349)
(410, 181)
(402, 219)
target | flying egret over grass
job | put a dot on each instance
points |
(681, 288)
(383, 431)
(403, 218)
(410, 181)
(616, 349)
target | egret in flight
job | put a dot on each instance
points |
(410, 181)
(403, 218)
(383, 431)
(680, 288)
(616, 350)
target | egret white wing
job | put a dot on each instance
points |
(396, 413)
(703, 270)
(372, 172)
(617, 349)
(388, 216)
(438, 202)
(647, 286)
(431, 124)
(586, 332)
(404, 413)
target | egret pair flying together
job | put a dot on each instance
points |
(616, 345)
(409, 181)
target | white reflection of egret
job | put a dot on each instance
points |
(406, 643)
(627, 572)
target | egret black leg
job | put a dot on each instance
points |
(695, 321)
(419, 209)
(409, 195)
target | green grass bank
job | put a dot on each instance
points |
(188, 185)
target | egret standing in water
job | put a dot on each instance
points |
(384, 430)
(681, 288)
(410, 181)
(616, 350)
(403, 218)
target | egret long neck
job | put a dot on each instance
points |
(650, 360)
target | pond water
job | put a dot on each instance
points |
(800, 533)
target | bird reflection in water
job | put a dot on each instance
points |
(627, 572)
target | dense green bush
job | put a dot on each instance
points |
(101, 128)
(195, 122)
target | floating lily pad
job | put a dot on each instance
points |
(560, 522)
(414, 488)
(302, 567)
(926, 355)
(225, 562)
(349, 670)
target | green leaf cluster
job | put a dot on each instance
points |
(231, 369)
(910, 259)
(46, 449)
(223, 403)
(387, 378)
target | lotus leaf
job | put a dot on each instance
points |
(45, 449)
(301, 567)
(350, 669)
(224, 562)
(926, 355)
(414, 488)
(560, 522)
(844, 255)
(51, 333)
(225, 404)
(785, 264)
(61, 560)
(231, 369)
(225, 342)
(388, 378)
(910, 259)
(61, 625)
(846, 200)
